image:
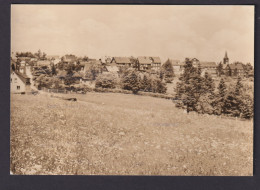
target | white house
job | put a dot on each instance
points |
(19, 82)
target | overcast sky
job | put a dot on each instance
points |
(175, 32)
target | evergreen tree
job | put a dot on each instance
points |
(146, 83)
(220, 69)
(208, 83)
(219, 103)
(239, 87)
(53, 70)
(167, 70)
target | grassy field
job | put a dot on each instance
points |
(124, 134)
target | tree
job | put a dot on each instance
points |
(167, 70)
(106, 81)
(239, 87)
(189, 88)
(131, 81)
(220, 70)
(53, 70)
(158, 86)
(146, 83)
(208, 83)
(219, 102)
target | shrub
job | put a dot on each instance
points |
(131, 81)
(158, 86)
(106, 81)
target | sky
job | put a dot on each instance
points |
(168, 31)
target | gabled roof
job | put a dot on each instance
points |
(205, 64)
(174, 62)
(112, 68)
(43, 63)
(155, 59)
(236, 66)
(24, 78)
(88, 64)
(121, 59)
(52, 56)
(144, 60)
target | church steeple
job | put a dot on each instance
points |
(226, 59)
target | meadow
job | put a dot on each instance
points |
(124, 134)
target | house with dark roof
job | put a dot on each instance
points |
(43, 63)
(20, 83)
(121, 61)
(209, 67)
(234, 69)
(156, 63)
(144, 63)
(178, 66)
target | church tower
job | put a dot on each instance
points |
(225, 59)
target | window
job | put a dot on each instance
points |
(15, 80)
(18, 87)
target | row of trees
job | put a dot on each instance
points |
(132, 80)
(197, 93)
(39, 55)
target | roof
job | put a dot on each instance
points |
(52, 56)
(24, 58)
(236, 66)
(77, 75)
(122, 59)
(156, 59)
(112, 68)
(175, 62)
(23, 77)
(43, 63)
(207, 64)
(88, 64)
(144, 60)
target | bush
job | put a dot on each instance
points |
(158, 86)
(131, 81)
(106, 81)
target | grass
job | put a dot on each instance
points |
(124, 134)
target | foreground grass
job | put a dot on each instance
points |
(121, 134)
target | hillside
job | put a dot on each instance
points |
(124, 134)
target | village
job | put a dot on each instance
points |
(28, 70)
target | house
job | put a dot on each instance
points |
(55, 59)
(156, 63)
(20, 83)
(43, 63)
(69, 59)
(25, 59)
(105, 60)
(144, 63)
(86, 65)
(121, 61)
(195, 62)
(178, 67)
(234, 70)
(209, 67)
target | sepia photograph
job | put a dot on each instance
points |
(147, 90)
